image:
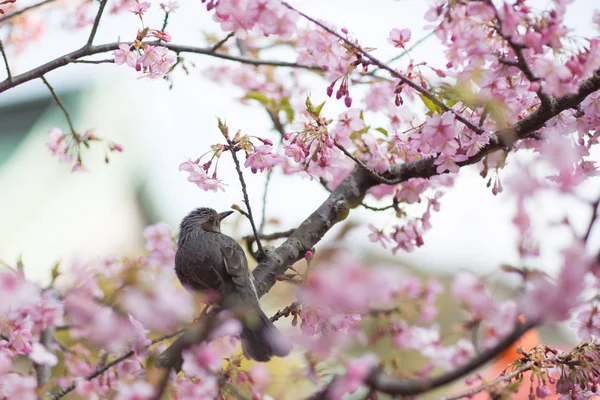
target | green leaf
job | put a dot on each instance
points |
(55, 271)
(260, 97)
(319, 108)
(288, 109)
(431, 106)
(382, 130)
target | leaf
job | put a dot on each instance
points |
(319, 108)
(55, 271)
(382, 130)
(431, 106)
(288, 109)
(260, 97)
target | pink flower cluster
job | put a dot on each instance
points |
(317, 47)
(154, 61)
(268, 17)
(261, 158)
(198, 175)
(161, 245)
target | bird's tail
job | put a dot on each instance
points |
(261, 340)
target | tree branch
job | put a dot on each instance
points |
(261, 251)
(390, 385)
(9, 75)
(60, 104)
(111, 364)
(96, 22)
(103, 48)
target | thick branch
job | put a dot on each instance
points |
(350, 192)
(103, 48)
(396, 386)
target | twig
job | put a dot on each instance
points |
(364, 166)
(261, 251)
(591, 224)
(96, 22)
(221, 42)
(111, 364)
(105, 61)
(17, 13)
(368, 207)
(103, 48)
(60, 104)
(525, 367)
(277, 235)
(392, 71)
(263, 217)
(5, 61)
(521, 63)
(285, 312)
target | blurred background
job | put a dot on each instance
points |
(49, 214)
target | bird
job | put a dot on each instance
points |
(210, 261)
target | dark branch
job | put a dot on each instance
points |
(9, 78)
(103, 48)
(261, 251)
(60, 104)
(221, 42)
(390, 385)
(96, 22)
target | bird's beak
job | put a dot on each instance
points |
(224, 215)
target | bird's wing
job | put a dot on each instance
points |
(198, 272)
(237, 266)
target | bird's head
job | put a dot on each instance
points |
(203, 218)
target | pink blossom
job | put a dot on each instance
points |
(139, 8)
(200, 178)
(156, 61)
(261, 159)
(158, 236)
(125, 56)
(296, 152)
(205, 359)
(58, 145)
(452, 357)
(138, 390)
(205, 389)
(399, 37)
(543, 391)
(260, 377)
(164, 36)
(357, 371)
(348, 123)
(158, 303)
(40, 355)
(378, 236)
(468, 289)
(16, 386)
(141, 342)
